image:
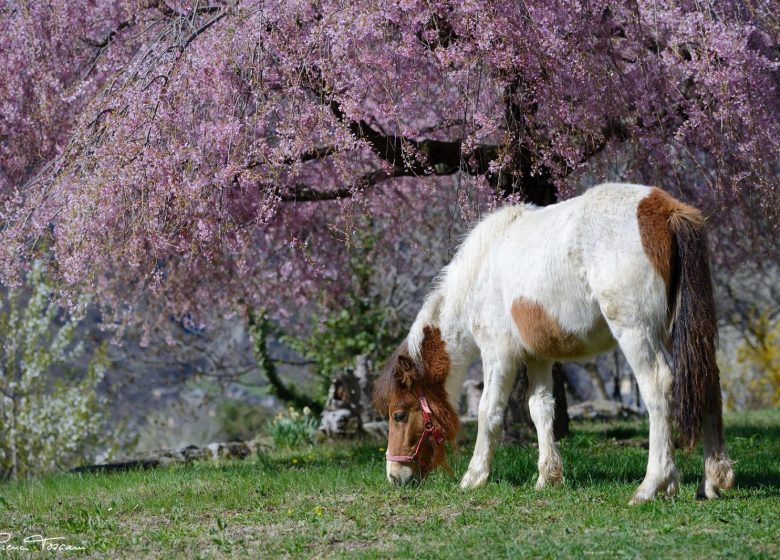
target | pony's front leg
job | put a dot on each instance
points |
(499, 376)
(541, 404)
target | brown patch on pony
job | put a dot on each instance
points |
(655, 215)
(542, 333)
(396, 390)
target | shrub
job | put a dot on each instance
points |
(292, 428)
(757, 380)
(361, 322)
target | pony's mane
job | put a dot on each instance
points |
(459, 275)
(386, 384)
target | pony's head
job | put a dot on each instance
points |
(420, 417)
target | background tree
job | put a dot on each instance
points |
(218, 151)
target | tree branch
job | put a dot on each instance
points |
(436, 157)
(105, 41)
(304, 193)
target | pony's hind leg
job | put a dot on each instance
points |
(718, 471)
(655, 384)
(542, 407)
(499, 376)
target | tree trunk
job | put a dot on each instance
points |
(561, 420)
(341, 415)
(348, 407)
(365, 377)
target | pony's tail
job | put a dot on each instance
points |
(694, 328)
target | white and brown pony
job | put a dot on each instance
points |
(623, 264)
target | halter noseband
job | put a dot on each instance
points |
(429, 431)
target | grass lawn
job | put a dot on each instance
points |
(333, 501)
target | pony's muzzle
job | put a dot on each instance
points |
(400, 474)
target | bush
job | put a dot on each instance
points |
(757, 380)
(50, 412)
(293, 428)
(359, 322)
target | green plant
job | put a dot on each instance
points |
(50, 412)
(292, 428)
(261, 330)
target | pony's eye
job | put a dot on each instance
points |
(399, 416)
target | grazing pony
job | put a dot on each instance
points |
(623, 264)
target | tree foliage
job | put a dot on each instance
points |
(214, 152)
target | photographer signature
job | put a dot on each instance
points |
(39, 542)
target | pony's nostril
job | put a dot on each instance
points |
(396, 480)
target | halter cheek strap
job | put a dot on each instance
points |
(429, 431)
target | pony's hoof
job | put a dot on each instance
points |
(637, 499)
(642, 496)
(707, 491)
(718, 474)
(543, 482)
(472, 480)
(672, 488)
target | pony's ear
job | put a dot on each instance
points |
(436, 361)
(405, 370)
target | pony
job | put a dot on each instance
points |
(621, 264)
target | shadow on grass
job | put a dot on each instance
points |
(747, 431)
(594, 454)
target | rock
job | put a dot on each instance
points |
(121, 466)
(602, 410)
(189, 454)
(195, 453)
(230, 450)
(340, 422)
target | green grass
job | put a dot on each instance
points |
(334, 501)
